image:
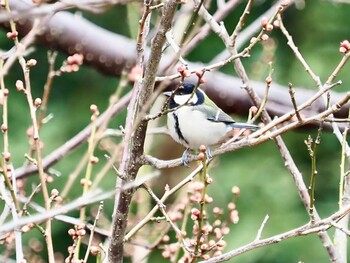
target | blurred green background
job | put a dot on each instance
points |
(317, 28)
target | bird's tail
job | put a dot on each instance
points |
(241, 125)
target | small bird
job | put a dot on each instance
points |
(195, 120)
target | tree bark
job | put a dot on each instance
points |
(134, 141)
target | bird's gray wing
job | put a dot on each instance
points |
(215, 114)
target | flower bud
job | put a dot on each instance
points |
(4, 128)
(31, 63)
(81, 232)
(285, 3)
(37, 102)
(181, 69)
(254, 110)
(93, 108)
(94, 159)
(342, 50)
(20, 85)
(72, 232)
(269, 27)
(268, 80)
(235, 190)
(202, 148)
(264, 21)
(7, 156)
(199, 73)
(54, 192)
(201, 156)
(264, 37)
(12, 34)
(94, 250)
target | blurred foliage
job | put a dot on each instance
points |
(266, 186)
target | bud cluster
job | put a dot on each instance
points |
(208, 228)
(73, 63)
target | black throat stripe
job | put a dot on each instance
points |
(177, 128)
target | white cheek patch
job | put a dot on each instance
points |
(182, 99)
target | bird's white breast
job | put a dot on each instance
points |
(195, 128)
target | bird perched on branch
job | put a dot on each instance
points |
(195, 120)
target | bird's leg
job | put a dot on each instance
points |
(209, 156)
(184, 158)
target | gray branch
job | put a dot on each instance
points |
(110, 53)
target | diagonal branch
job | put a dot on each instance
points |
(319, 226)
(135, 136)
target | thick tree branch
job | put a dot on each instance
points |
(135, 136)
(110, 53)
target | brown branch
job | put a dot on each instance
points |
(110, 53)
(135, 136)
(319, 226)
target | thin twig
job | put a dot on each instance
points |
(202, 211)
(313, 147)
(295, 105)
(257, 101)
(316, 78)
(344, 230)
(264, 100)
(166, 195)
(241, 21)
(175, 47)
(161, 208)
(297, 53)
(92, 231)
(258, 235)
(75, 141)
(88, 173)
(320, 225)
(204, 31)
(90, 198)
(249, 32)
(192, 22)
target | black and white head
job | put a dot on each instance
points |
(184, 95)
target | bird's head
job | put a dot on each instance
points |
(185, 94)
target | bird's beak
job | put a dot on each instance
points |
(168, 93)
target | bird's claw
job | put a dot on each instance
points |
(209, 155)
(185, 155)
(184, 158)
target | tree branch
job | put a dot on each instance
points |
(135, 136)
(319, 226)
(74, 142)
(110, 53)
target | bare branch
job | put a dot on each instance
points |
(112, 53)
(321, 225)
(135, 136)
(73, 143)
